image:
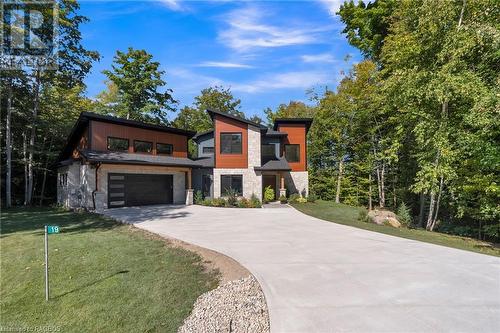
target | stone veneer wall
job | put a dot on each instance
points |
(297, 182)
(252, 180)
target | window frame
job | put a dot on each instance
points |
(298, 152)
(63, 179)
(231, 153)
(268, 144)
(210, 152)
(143, 152)
(115, 137)
(222, 189)
(166, 144)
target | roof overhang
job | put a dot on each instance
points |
(213, 113)
(283, 121)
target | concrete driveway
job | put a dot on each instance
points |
(323, 277)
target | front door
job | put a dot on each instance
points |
(206, 182)
(269, 180)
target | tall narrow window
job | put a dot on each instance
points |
(143, 146)
(292, 153)
(117, 144)
(233, 182)
(164, 149)
(230, 143)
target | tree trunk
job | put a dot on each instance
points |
(461, 15)
(370, 205)
(339, 180)
(382, 187)
(36, 106)
(8, 149)
(394, 195)
(441, 183)
(431, 211)
(25, 162)
(42, 192)
(422, 210)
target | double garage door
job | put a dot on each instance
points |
(127, 189)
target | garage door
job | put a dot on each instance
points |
(126, 189)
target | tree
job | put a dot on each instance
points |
(138, 80)
(293, 109)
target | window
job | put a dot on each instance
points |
(164, 148)
(143, 146)
(234, 182)
(230, 143)
(63, 179)
(117, 144)
(292, 153)
(208, 150)
(268, 151)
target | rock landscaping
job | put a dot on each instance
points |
(236, 306)
(384, 217)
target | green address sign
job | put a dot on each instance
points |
(52, 229)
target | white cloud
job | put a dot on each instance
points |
(317, 58)
(221, 64)
(247, 29)
(333, 6)
(289, 80)
(191, 82)
(174, 5)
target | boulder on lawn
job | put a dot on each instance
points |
(384, 217)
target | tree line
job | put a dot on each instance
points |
(415, 122)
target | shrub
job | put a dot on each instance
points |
(207, 202)
(255, 202)
(232, 197)
(243, 203)
(219, 202)
(312, 197)
(301, 200)
(404, 215)
(293, 198)
(198, 197)
(363, 215)
(283, 199)
(268, 194)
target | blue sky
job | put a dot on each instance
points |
(267, 52)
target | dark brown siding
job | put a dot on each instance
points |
(101, 131)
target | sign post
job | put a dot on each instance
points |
(49, 229)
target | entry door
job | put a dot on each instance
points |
(139, 189)
(206, 182)
(269, 180)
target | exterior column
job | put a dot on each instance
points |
(189, 190)
(282, 185)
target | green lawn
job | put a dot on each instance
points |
(348, 215)
(104, 276)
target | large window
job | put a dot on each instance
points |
(292, 153)
(118, 144)
(208, 150)
(143, 146)
(230, 143)
(234, 182)
(268, 151)
(164, 149)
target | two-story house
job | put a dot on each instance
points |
(112, 162)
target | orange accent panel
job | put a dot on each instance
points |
(226, 125)
(101, 131)
(296, 135)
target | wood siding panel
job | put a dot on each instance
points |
(224, 125)
(101, 131)
(296, 135)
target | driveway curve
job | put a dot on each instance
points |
(319, 276)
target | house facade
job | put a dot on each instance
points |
(111, 162)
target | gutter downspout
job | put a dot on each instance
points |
(96, 183)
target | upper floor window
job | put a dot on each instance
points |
(208, 150)
(164, 149)
(143, 146)
(268, 151)
(117, 144)
(292, 153)
(230, 143)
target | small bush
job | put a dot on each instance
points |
(283, 199)
(363, 215)
(293, 198)
(219, 202)
(198, 197)
(312, 197)
(255, 202)
(232, 197)
(268, 194)
(207, 202)
(301, 200)
(404, 215)
(243, 203)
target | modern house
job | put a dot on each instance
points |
(112, 162)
